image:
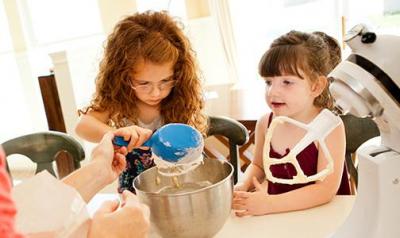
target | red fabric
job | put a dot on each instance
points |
(7, 206)
(308, 160)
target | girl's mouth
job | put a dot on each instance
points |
(277, 104)
(155, 101)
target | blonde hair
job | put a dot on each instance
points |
(157, 38)
(301, 54)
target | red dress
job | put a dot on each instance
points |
(308, 160)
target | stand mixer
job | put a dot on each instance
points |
(367, 83)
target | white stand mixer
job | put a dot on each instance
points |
(367, 83)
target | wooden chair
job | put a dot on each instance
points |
(232, 134)
(43, 148)
(245, 152)
(358, 131)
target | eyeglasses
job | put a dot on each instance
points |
(147, 87)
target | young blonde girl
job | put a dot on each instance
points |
(294, 70)
(148, 77)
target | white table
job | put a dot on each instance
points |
(316, 222)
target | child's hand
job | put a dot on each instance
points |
(240, 187)
(251, 203)
(134, 134)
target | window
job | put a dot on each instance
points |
(47, 26)
(14, 112)
(382, 16)
(67, 19)
(257, 23)
(5, 39)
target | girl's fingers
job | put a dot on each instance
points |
(241, 194)
(144, 135)
(239, 200)
(123, 133)
(242, 213)
(133, 140)
(239, 206)
(135, 135)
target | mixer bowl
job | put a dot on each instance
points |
(198, 208)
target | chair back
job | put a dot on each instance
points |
(358, 130)
(234, 132)
(42, 148)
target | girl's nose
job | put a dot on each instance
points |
(155, 91)
(272, 89)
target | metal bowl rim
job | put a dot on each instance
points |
(153, 194)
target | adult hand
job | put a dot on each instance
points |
(131, 220)
(113, 161)
(134, 134)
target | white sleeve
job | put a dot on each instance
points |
(49, 208)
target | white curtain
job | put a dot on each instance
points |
(220, 10)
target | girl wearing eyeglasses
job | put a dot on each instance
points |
(148, 77)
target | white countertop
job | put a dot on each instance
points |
(316, 222)
(320, 221)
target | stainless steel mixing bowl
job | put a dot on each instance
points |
(199, 208)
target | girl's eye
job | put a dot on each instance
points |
(144, 83)
(286, 82)
(167, 80)
(268, 83)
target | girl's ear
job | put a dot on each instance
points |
(318, 87)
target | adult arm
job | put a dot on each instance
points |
(103, 169)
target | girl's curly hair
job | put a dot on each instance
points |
(157, 38)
